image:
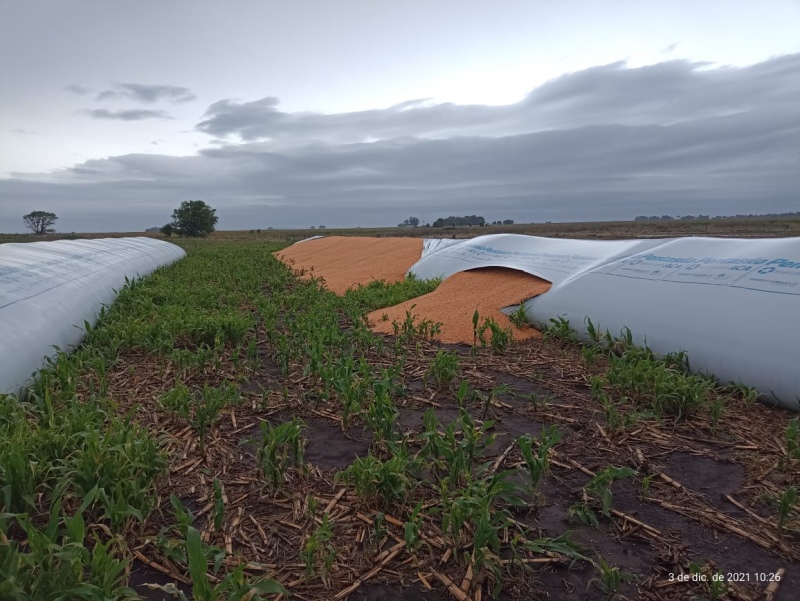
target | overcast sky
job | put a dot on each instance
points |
(359, 112)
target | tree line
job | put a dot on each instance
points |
(706, 217)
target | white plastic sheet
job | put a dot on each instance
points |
(48, 290)
(732, 304)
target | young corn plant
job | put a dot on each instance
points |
(409, 330)
(501, 338)
(282, 448)
(319, 554)
(584, 514)
(351, 388)
(596, 336)
(381, 417)
(610, 578)
(465, 395)
(786, 503)
(57, 559)
(411, 529)
(793, 440)
(200, 410)
(747, 393)
(537, 462)
(476, 317)
(452, 452)
(658, 384)
(620, 416)
(599, 487)
(559, 329)
(378, 482)
(716, 409)
(488, 399)
(474, 516)
(443, 370)
(234, 586)
(518, 317)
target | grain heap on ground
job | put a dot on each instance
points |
(347, 262)
(454, 302)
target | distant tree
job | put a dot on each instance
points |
(167, 230)
(508, 222)
(322, 227)
(456, 221)
(194, 218)
(39, 222)
(410, 222)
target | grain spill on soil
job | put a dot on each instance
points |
(346, 262)
(454, 302)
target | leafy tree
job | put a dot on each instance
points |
(194, 218)
(167, 230)
(457, 221)
(410, 222)
(39, 222)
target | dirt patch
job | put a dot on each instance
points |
(454, 302)
(390, 592)
(346, 262)
(704, 475)
(328, 447)
(143, 575)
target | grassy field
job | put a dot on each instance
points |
(232, 431)
(612, 230)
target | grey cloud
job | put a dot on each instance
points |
(147, 94)
(600, 145)
(77, 89)
(662, 94)
(127, 115)
(24, 132)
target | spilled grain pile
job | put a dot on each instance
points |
(347, 262)
(454, 302)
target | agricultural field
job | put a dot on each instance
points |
(231, 430)
(762, 227)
